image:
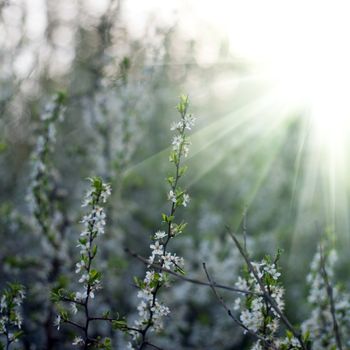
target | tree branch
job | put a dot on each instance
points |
(191, 280)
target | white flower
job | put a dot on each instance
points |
(3, 303)
(84, 278)
(106, 192)
(88, 199)
(185, 149)
(157, 248)
(177, 142)
(168, 261)
(241, 284)
(73, 307)
(271, 269)
(186, 123)
(176, 126)
(80, 296)
(86, 219)
(11, 337)
(189, 121)
(172, 196)
(185, 199)
(18, 320)
(78, 341)
(142, 308)
(79, 266)
(145, 294)
(150, 275)
(257, 346)
(84, 233)
(58, 322)
(160, 235)
(237, 304)
(178, 261)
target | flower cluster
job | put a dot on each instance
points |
(10, 317)
(151, 311)
(320, 324)
(257, 315)
(94, 224)
(180, 143)
(187, 122)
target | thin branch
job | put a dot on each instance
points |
(245, 228)
(191, 280)
(331, 299)
(70, 300)
(152, 345)
(74, 324)
(108, 319)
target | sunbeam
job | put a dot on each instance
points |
(299, 51)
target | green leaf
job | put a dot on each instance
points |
(306, 336)
(183, 104)
(289, 334)
(94, 275)
(61, 96)
(139, 283)
(171, 180)
(167, 218)
(94, 251)
(173, 157)
(180, 270)
(182, 170)
(120, 325)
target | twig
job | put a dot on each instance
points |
(245, 228)
(331, 299)
(153, 346)
(74, 324)
(191, 280)
(108, 319)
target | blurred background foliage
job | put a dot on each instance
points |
(122, 65)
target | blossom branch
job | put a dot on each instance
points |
(266, 294)
(94, 224)
(150, 309)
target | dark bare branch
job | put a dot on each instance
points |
(191, 280)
